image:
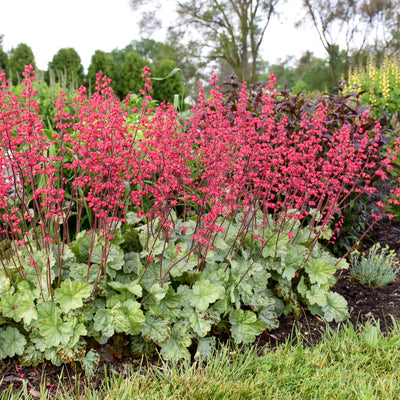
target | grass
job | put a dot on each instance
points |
(346, 364)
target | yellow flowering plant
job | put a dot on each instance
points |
(381, 87)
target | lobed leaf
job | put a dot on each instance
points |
(12, 342)
(70, 294)
(90, 363)
(198, 321)
(156, 329)
(319, 270)
(204, 293)
(245, 326)
(176, 347)
(336, 308)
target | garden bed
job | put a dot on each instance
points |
(365, 304)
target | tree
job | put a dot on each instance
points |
(21, 56)
(186, 56)
(165, 90)
(131, 74)
(232, 30)
(384, 17)
(104, 62)
(354, 23)
(3, 55)
(67, 66)
(283, 73)
(147, 48)
(332, 19)
(315, 75)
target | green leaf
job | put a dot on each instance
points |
(245, 326)
(220, 243)
(277, 246)
(78, 272)
(197, 320)
(319, 270)
(132, 287)
(31, 356)
(82, 244)
(39, 341)
(132, 263)
(132, 218)
(204, 293)
(90, 363)
(372, 335)
(104, 322)
(51, 354)
(128, 317)
(55, 330)
(174, 250)
(149, 243)
(205, 348)
(151, 276)
(317, 295)
(71, 294)
(336, 308)
(173, 72)
(51, 326)
(293, 261)
(79, 330)
(176, 347)
(188, 264)
(139, 346)
(171, 305)
(48, 309)
(115, 258)
(25, 307)
(18, 306)
(8, 305)
(222, 306)
(270, 317)
(156, 329)
(12, 341)
(70, 355)
(5, 286)
(158, 292)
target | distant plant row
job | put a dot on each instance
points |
(123, 66)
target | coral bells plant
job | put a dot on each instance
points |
(168, 231)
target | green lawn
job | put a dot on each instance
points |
(347, 364)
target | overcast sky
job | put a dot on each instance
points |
(89, 25)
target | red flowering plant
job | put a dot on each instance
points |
(341, 109)
(162, 230)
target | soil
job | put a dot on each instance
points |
(365, 304)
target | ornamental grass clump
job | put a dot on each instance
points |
(379, 268)
(168, 232)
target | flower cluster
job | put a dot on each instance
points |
(220, 163)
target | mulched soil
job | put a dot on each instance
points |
(365, 304)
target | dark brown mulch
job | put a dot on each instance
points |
(376, 305)
(365, 304)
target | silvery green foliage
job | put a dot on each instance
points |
(378, 268)
(161, 293)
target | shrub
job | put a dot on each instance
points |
(379, 268)
(342, 109)
(164, 234)
(169, 83)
